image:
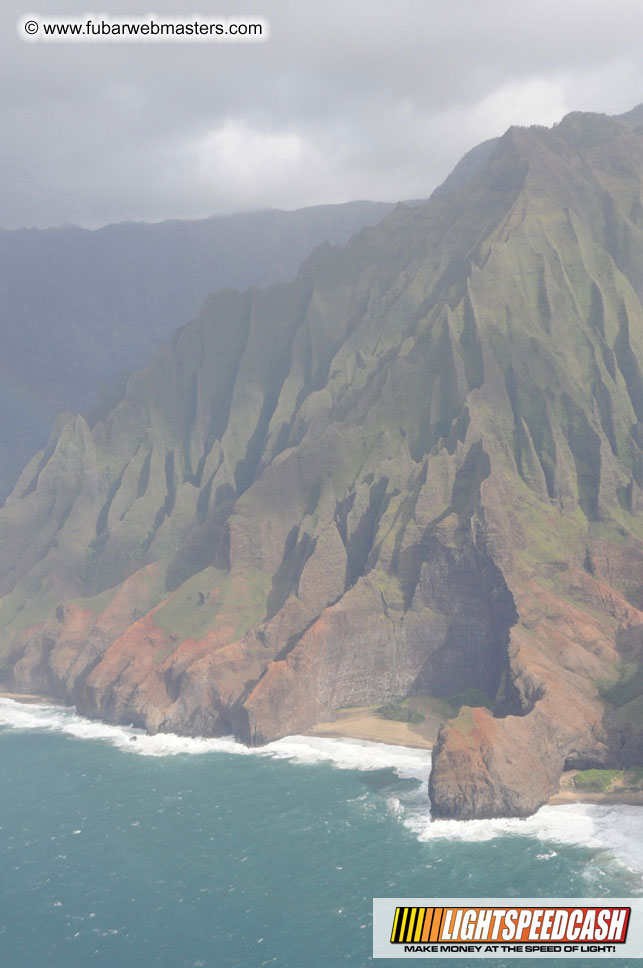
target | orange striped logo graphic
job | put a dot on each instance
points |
(454, 925)
(417, 924)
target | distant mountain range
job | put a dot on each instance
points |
(415, 469)
(79, 310)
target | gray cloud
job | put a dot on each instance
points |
(361, 99)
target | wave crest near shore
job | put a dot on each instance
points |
(617, 829)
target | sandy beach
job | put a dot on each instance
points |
(569, 794)
(363, 722)
(29, 698)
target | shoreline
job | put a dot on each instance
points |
(362, 723)
(619, 796)
(30, 698)
(368, 736)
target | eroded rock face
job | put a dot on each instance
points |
(416, 469)
(510, 766)
(487, 767)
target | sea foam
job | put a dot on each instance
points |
(342, 753)
(617, 829)
(614, 828)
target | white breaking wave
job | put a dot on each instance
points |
(351, 754)
(342, 753)
(617, 829)
(60, 719)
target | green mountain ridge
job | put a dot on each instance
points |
(416, 468)
(80, 309)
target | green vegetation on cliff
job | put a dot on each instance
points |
(400, 711)
(596, 781)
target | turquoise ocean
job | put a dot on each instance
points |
(192, 853)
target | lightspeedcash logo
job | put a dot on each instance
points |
(527, 928)
(510, 925)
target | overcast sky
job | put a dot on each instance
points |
(353, 99)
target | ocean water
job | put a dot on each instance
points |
(187, 853)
